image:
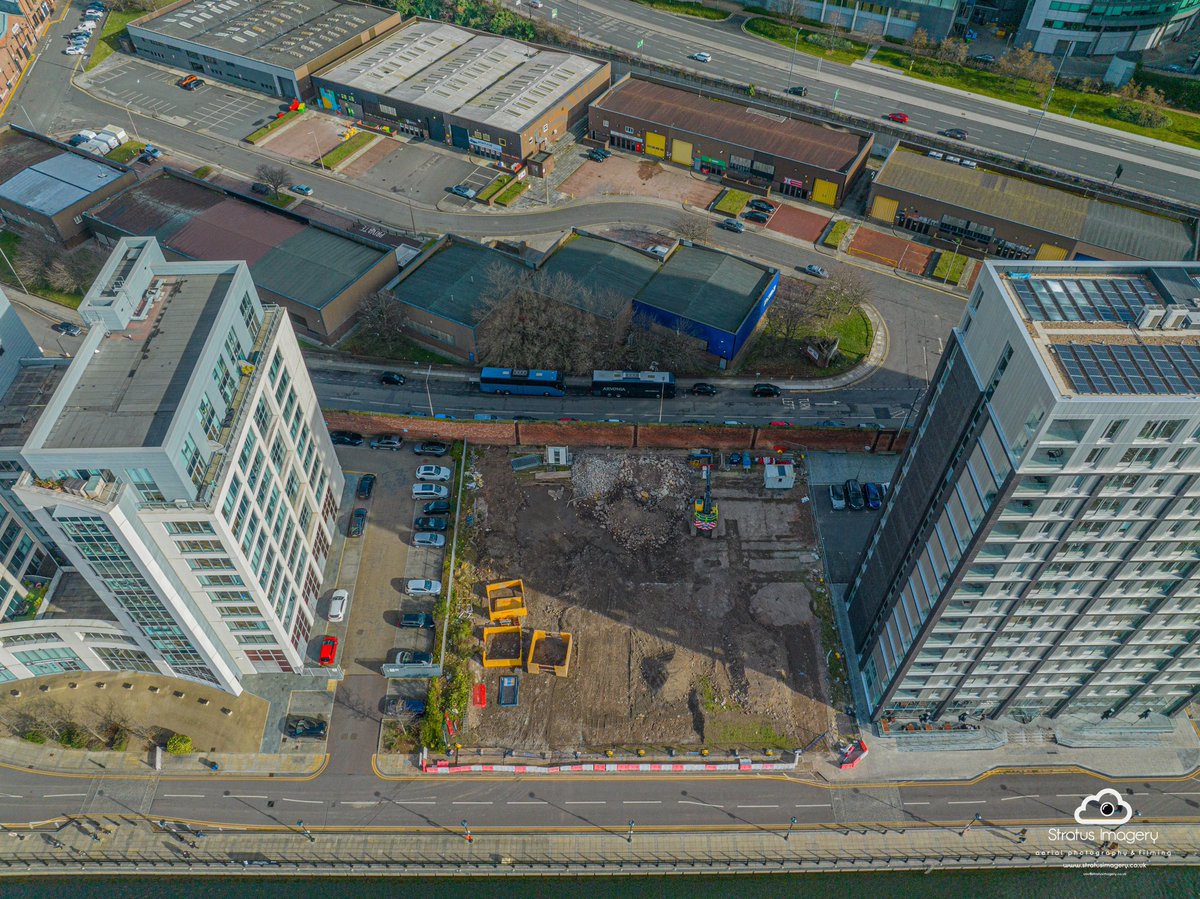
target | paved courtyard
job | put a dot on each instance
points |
(891, 251)
(637, 176)
(798, 223)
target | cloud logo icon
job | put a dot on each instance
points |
(1106, 808)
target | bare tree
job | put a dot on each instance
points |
(653, 345)
(919, 40)
(382, 318)
(839, 295)
(275, 177)
(790, 310)
(695, 228)
(953, 50)
(74, 272)
(34, 258)
(1022, 62)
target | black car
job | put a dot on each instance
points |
(395, 705)
(346, 438)
(365, 485)
(391, 377)
(761, 205)
(69, 328)
(428, 523)
(412, 657)
(755, 216)
(798, 91)
(955, 133)
(257, 187)
(430, 448)
(854, 495)
(702, 389)
(298, 726)
(436, 506)
(765, 390)
(603, 151)
(358, 521)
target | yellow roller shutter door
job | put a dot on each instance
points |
(1051, 252)
(884, 209)
(825, 192)
(656, 145)
(681, 152)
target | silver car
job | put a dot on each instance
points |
(837, 497)
(423, 587)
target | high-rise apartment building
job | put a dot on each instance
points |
(183, 467)
(1100, 28)
(1039, 550)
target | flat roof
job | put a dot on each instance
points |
(612, 272)
(288, 259)
(453, 281)
(706, 286)
(19, 151)
(130, 387)
(58, 182)
(1122, 229)
(25, 400)
(488, 79)
(286, 33)
(824, 146)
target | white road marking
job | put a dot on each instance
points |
(246, 797)
(914, 803)
(526, 802)
(758, 806)
(414, 801)
(183, 795)
(61, 795)
(364, 802)
(966, 801)
(472, 802)
(816, 805)
(11, 796)
(585, 802)
(1010, 798)
(1183, 794)
(641, 802)
(694, 802)
(306, 801)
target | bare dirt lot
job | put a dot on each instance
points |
(309, 137)
(632, 177)
(677, 640)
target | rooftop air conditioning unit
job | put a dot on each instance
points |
(1176, 317)
(1151, 315)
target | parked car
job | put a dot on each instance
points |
(428, 540)
(837, 497)
(303, 189)
(395, 705)
(194, 85)
(755, 215)
(75, 50)
(412, 657)
(983, 57)
(422, 620)
(603, 151)
(430, 523)
(430, 448)
(901, 117)
(433, 473)
(358, 523)
(461, 190)
(423, 587)
(430, 491)
(761, 205)
(765, 390)
(337, 604)
(779, 424)
(391, 442)
(150, 153)
(394, 378)
(346, 438)
(798, 90)
(186, 80)
(259, 188)
(366, 484)
(81, 138)
(872, 495)
(955, 133)
(854, 495)
(732, 225)
(815, 270)
(69, 328)
(595, 156)
(299, 726)
(437, 507)
(701, 57)
(702, 389)
(328, 652)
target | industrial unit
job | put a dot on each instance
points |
(494, 96)
(1014, 216)
(271, 46)
(1036, 554)
(760, 147)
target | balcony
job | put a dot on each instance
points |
(96, 490)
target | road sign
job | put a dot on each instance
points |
(640, 43)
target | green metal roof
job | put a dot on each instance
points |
(452, 281)
(612, 272)
(706, 286)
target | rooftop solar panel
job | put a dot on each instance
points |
(1101, 368)
(1084, 299)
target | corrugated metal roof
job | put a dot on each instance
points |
(451, 282)
(312, 266)
(612, 272)
(1121, 229)
(53, 184)
(823, 146)
(234, 230)
(706, 286)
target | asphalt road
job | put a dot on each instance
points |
(1156, 167)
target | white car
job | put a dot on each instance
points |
(433, 473)
(419, 587)
(86, 25)
(337, 605)
(428, 538)
(701, 57)
(75, 51)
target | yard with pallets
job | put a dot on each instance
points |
(676, 640)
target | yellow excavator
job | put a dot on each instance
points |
(704, 511)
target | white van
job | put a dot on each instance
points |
(337, 605)
(430, 491)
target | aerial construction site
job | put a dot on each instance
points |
(616, 623)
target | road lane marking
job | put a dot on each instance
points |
(472, 802)
(1010, 798)
(414, 801)
(526, 802)
(11, 796)
(634, 801)
(966, 801)
(816, 805)
(695, 802)
(586, 802)
(363, 802)
(308, 801)
(62, 795)
(758, 806)
(1183, 794)
(183, 795)
(234, 796)
(914, 803)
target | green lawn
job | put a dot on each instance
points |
(685, 8)
(732, 202)
(494, 188)
(282, 200)
(112, 32)
(127, 152)
(346, 149)
(950, 267)
(255, 136)
(785, 35)
(776, 357)
(401, 351)
(203, 172)
(1182, 128)
(509, 195)
(836, 233)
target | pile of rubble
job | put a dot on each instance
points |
(639, 500)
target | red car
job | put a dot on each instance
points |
(328, 654)
(901, 117)
(781, 424)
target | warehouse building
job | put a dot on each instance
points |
(494, 96)
(272, 46)
(45, 186)
(762, 148)
(997, 213)
(319, 273)
(717, 298)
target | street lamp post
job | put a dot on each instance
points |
(317, 147)
(629, 836)
(13, 269)
(428, 395)
(791, 824)
(792, 64)
(304, 830)
(467, 832)
(978, 817)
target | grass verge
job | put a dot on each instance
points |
(844, 51)
(255, 136)
(509, 195)
(732, 202)
(836, 233)
(1181, 128)
(950, 267)
(203, 172)
(281, 200)
(127, 152)
(346, 149)
(494, 188)
(682, 7)
(402, 350)
(777, 357)
(9, 242)
(113, 30)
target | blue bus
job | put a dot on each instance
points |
(529, 381)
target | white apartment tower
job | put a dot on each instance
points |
(183, 466)
(1039, 552)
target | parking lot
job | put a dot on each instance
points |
(844, 533)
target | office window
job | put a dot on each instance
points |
(176, 528)
(193, 463)
(143, 483)
(249, 316)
